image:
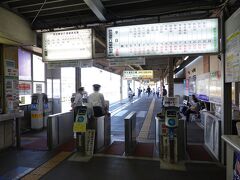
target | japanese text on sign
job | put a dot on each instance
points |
(143, 74)
(183, 37)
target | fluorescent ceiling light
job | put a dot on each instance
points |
(178, 66)
(186, 58)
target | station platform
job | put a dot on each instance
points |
(113, 164)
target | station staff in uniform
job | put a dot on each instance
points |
(97, 101)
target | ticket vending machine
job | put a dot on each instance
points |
(170, 114)
(39, 109)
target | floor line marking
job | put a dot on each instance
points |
(143, 134)
(47, 166)
(115, 111)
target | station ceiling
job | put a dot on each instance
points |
(98, 14)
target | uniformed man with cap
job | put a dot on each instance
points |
(97, 101)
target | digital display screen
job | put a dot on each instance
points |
(183, 37)
(67, 45)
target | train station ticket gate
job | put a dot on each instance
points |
(92, 133)
(170, 132)
(39, 111)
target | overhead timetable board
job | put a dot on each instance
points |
(141, 74)
(173, 38)
(67, 45)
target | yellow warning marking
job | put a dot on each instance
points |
(147, 122)
(46, 167)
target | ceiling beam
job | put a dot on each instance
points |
(11, 1)
(131, 67)
(54, 8)
(140, 67)
(101, 42)
(36, 4)
(98, 9)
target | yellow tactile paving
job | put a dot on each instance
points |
(46, 167)
(147, 122)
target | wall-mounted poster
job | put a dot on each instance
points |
(10, 68)
(236, 166)
(11, 85)
(232, 55)
(25, 88)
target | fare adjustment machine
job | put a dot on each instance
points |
(169, 138)
(39, 110)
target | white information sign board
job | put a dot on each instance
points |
(183, 37)
(141, 74)
(127, 61)
(232, 55)
(67, 45)
(80, 63)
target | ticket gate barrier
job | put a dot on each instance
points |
(167, 127)
(130, 133)
(80, 127)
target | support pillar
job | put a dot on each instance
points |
(78, 78)
(226, 116)
(237, 94)
(121, 88)
(170, 78)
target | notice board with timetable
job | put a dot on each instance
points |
(67, 45)
(172, 38)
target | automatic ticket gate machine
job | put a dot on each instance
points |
(39, 110)
(170, 119)
(85, 137)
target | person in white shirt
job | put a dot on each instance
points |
(97, 101)
(78, 101)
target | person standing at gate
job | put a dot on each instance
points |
(96, 99)
(78, 100)
(130, 94)
(148, 91)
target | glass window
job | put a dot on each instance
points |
(38, 69)
(24, 65)
(49, 88)
(67, 87)
(110, 82)
(56, 89)
(38, 87)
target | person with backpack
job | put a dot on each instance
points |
(164, 93)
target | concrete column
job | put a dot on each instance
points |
(121, 88)
(170, 78)
(78, 78)
(237, 94)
